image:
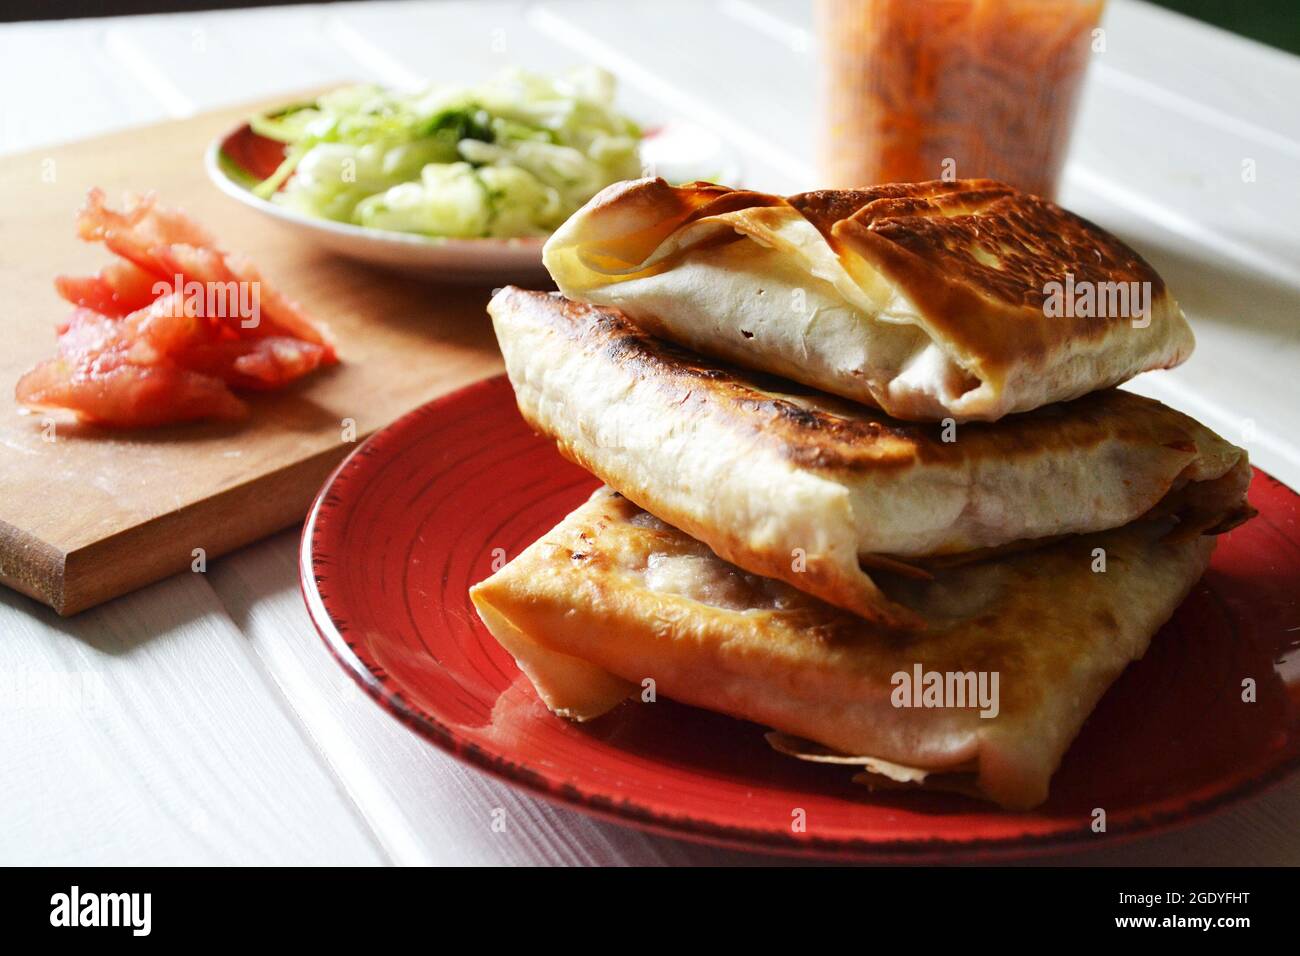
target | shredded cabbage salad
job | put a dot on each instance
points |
(515, 156)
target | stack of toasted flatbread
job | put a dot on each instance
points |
(869, 481)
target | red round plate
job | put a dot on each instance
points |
(420, 511)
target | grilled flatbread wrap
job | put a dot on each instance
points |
(807, 488)
(967, 300)
(612, 596)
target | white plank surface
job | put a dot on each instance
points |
(144, 730)
(201, 720)
(81, 93)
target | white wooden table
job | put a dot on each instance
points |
(201, 721)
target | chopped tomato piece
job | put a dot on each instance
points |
(287, 316)
(166, 243)
(120, 288)
(257, 364)
(142, 227)
(163, 333)
(113, 391)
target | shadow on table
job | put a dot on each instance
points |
(122, 625)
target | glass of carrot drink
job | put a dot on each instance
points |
(945, 89)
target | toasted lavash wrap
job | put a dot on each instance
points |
(612, 596)
(963, 300)
(809, 489)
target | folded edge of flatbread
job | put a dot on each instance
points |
(809, 489)
(612, 596)
(965, 299)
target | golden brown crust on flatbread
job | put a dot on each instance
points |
(826, 434)
(959, 247)
(931, 298)
(631, 598)
(942, 224)
(819, 574)
(823, 493)
(666, 208)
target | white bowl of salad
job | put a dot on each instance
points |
(449, 183)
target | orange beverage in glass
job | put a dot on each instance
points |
(946, 89)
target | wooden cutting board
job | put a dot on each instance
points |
(94, 513)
